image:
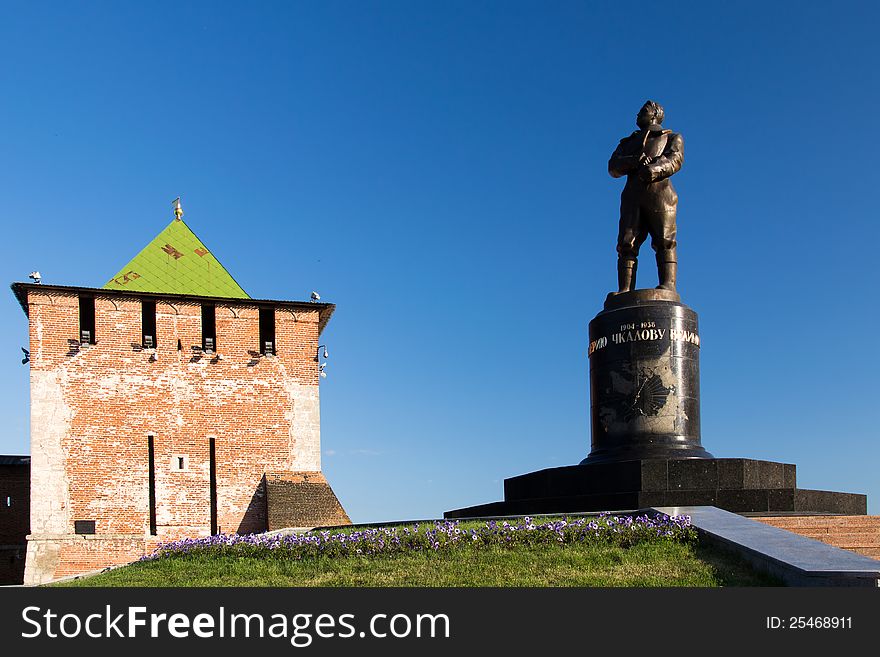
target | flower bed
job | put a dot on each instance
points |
(437, 537)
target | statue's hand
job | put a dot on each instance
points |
(646, 174)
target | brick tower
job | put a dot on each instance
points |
(169, 404)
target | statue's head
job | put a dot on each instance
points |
(650, 114)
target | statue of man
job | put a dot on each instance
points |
(648, 157)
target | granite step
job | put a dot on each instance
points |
(859, 534)
(795, 559)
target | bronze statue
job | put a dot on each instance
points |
(648, 157)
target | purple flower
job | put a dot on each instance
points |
(442, 535)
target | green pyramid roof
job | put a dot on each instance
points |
(176, 262)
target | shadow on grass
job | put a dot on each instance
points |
(731, 569)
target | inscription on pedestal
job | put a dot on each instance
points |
(644, 383)
(644, 331)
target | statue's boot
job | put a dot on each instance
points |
(626, 275)
(666, 271)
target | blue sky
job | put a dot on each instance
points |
(438, 170)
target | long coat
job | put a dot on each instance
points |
(647, 185)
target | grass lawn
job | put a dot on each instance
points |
(649, 564)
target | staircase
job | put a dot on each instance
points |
(860, 534)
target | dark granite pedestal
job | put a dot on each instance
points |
(645, 379)
(737, 485)
(646, 447)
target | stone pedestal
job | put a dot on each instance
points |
(645, 420)
(645, 379)
(738, 485)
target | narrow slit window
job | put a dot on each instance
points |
(209, 327)
(212, 484)
(267, 332)
(148, 324)
(152, 484)
(87, 319)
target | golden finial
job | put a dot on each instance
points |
(178, 211)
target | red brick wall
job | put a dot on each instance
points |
(302, 499)
(94, 407)
(84, 554)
